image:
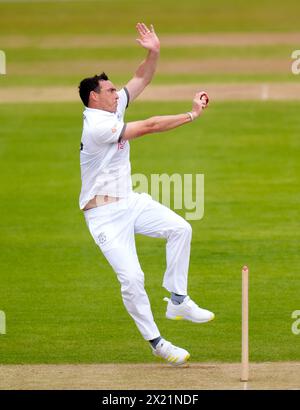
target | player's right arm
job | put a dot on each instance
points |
(165, 122)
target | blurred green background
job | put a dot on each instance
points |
(58, 42)
(62, 300)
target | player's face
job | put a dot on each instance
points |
(107, 99)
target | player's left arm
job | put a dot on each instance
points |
(144, 74)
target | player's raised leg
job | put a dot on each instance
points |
(158, 221)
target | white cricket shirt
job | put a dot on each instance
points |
(104, 156)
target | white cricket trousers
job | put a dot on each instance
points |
(113, 227)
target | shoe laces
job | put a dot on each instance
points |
(163, 346)
(190, 302)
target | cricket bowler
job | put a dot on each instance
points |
(114, 213)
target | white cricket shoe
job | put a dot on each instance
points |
(172, 354)
(188, 310)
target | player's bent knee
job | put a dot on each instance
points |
(188, 228)
(183, 228)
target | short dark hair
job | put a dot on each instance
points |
(90, 84)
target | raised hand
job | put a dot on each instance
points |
(148, 38)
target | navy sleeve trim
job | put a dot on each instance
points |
(127, 94)
(122, 133)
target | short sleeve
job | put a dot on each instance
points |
(123, 100)
(108, 131)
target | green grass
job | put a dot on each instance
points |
(19, 61)
(120, 16)
(117, 52)
(34, 21)
(62, 300)
(160, 79)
